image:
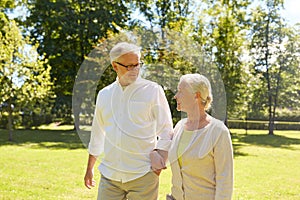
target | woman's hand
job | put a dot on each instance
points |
(157, 161)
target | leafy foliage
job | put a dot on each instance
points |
(274, 57)
(25, 84)
(256, 53)
(67, 32)
(223, 36)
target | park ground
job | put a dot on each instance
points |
(50, 164)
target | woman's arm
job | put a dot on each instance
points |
(223, 157)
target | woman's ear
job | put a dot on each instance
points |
(198, 95)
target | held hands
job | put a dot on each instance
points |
(158, 160)
(89, 182)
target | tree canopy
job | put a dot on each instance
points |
(255, 52)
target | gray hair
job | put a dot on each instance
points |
(123, 48)
(199, 83)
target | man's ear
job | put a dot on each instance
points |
(113, 64)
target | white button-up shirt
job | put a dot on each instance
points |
(126, 126)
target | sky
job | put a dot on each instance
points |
(291, 12)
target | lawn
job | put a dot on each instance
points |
(50, 164)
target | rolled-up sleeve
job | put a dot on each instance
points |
(164, 124)
(96, 144)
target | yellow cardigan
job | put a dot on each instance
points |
(207, 163)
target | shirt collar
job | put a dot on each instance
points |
(137, 81)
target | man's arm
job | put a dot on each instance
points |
(164, 125)
(89, 181)
(96, 144)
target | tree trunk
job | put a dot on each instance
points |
(10, 120)
(76, 104)
(271, 120)
(271, 130)
(271, 126)
(76, 119)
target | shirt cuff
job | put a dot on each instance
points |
(94, 150)
(163, 145)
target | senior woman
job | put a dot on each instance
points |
(201, 155)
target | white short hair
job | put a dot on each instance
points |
(123, 48)
(199, 83)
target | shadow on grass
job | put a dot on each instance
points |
(50, 139)
(69, 139)
(278, 141)
(264, 140)
(236, 150)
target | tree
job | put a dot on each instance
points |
(24, 79)
(287, 83)
(67, 31)
(222, 33)
(171, 50)
(165, 13)
(5, 5)
(268, 51)
(163, 41)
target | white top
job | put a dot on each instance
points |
(125, 128)
(206, 170)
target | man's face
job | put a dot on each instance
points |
(127, 76)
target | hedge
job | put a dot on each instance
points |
(263, 125)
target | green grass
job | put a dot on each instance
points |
(266, 166)
(50, 164)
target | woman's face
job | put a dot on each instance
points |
(185, 97)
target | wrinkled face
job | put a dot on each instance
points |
(125, 75)
(185, 97)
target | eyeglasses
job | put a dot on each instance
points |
(131, 67)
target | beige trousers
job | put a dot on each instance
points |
(145, 187)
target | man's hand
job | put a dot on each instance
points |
(89, 182)
(158, 160)
(163, 154)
